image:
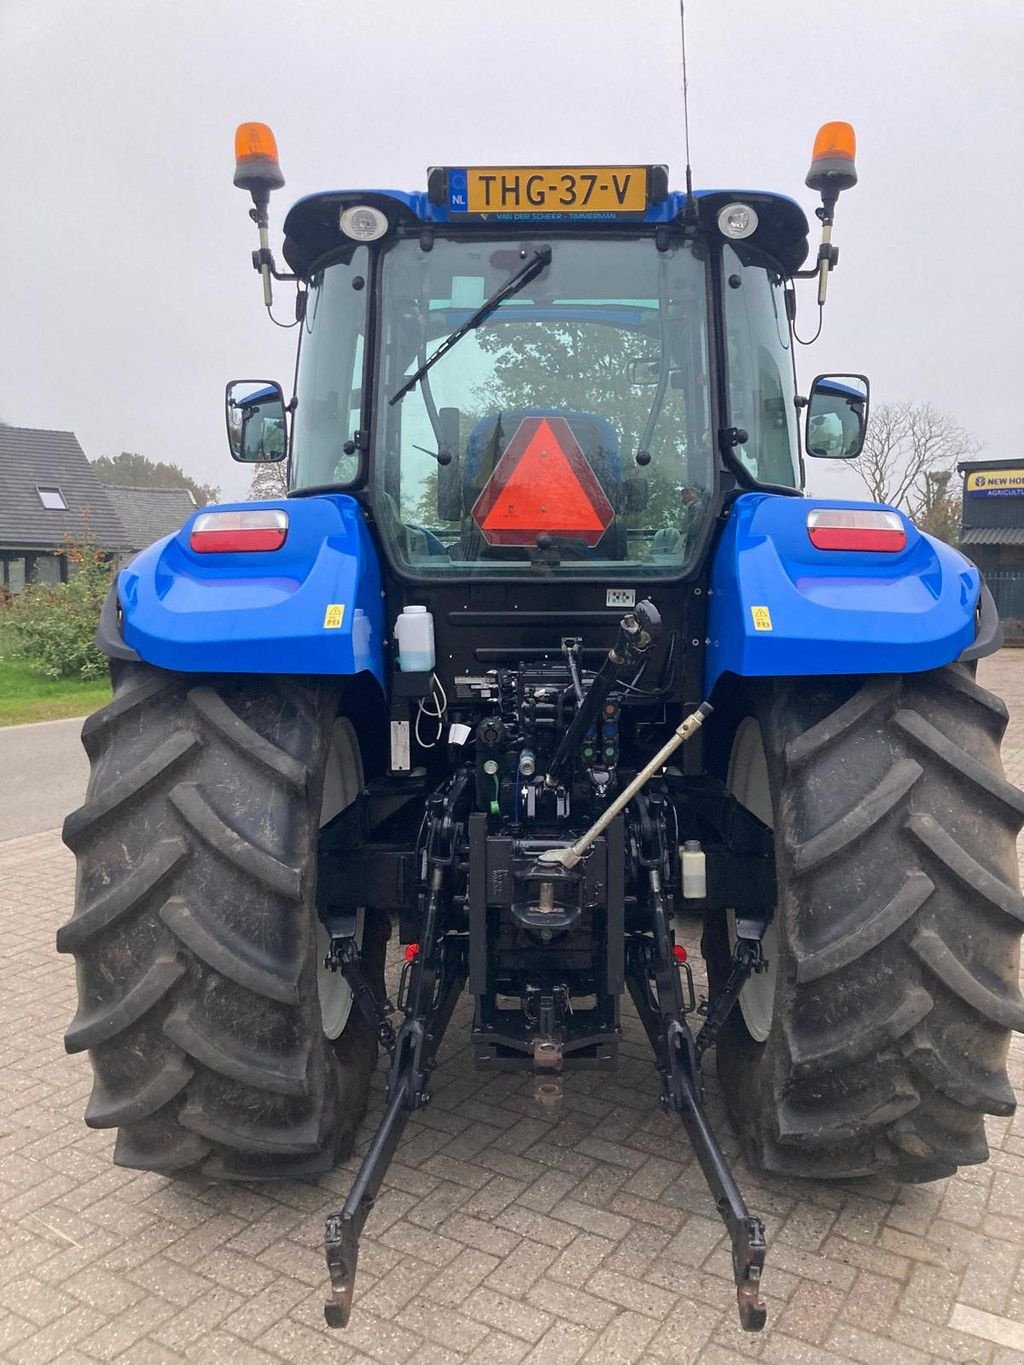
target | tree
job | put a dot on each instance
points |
(269, 481)
(131, 470)
(910, 453)
(588, 367)
(941, 511)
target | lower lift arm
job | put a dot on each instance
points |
(650, 962)
(438, 973)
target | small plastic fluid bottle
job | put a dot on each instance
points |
(695, 876)
(414, 631)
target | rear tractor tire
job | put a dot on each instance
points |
(882, 1039)
(195, 930)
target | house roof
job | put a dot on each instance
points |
(993, 535)
(30, 459)
(149, 513)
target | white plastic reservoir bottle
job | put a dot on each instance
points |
(695, 876)
(414, 631)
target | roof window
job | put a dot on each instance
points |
(51, 497)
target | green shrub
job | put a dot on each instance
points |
(53, 628)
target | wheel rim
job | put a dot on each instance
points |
(343, 781)
(748, 782)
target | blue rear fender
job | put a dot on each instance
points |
(314, 606)
(780, 607)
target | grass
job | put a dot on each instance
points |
(26, 695)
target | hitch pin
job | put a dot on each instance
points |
(570, 856)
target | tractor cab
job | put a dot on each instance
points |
(519, 386)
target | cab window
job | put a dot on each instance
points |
(760, 367)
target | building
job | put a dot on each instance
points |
(993, 533)
(48, 495)
(148, 514)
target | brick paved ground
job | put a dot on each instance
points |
(501, 1237)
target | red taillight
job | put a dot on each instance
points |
(848, 528)
(412, 952)
(679, 952)
(223, 532)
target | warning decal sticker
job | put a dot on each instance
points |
(542, 483)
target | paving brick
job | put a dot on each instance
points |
(500, 1235)
(483, 1236)
(876, 1260)
(127, 1327)
(273, 1302)
(498, 1348)
(301, 1345)
(853, 1343)
(988, 1326)
(624, 1341)
(563, 1343)
(203, 1313)
(521, 1268)
(940, 1341)
(529, 1224)
(15, 1328)
(634, 1294)
(810, 1312)
(56, 1340)
(377, 1338)
(872, 1302)
(221, 1348)
(609, 1225)
(508, 1315)
(930, 1293)
(461, 1276)
(440, 1323)
(572, 1304)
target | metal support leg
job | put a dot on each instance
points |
(661, 1013)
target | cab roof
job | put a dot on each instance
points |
(312, 225)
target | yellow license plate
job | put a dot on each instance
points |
(556, 189)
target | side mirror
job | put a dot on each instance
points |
(257, 431)
(837, 416)
(648, 372)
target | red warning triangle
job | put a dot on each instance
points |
(542, 483)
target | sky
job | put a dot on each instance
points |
(127, 298)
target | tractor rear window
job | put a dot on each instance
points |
(569, 428)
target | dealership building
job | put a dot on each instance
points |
(993, 533)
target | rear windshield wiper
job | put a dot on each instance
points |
(540, 258)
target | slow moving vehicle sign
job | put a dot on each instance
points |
(542, 483)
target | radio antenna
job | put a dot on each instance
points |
(690, 209)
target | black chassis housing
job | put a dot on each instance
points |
(580, 945)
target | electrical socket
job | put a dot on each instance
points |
(620, 597)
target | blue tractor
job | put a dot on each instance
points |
(544, 647)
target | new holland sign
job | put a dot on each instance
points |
(996, 483)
